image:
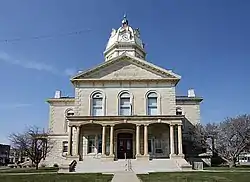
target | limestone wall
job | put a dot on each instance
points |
(166, 100)
(57, 120)
(55, 156)
(191, 110)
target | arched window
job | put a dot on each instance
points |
(69, 112)
(152, 108)
(97, 104)
(125, 106)
(178, 111)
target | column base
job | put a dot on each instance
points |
(75, 157)
(108, 157)
(142, 157)
(176, 156)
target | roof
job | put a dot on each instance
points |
(166, 74)
(61, 99)
(186, 98)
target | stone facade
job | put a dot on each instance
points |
(94, 123)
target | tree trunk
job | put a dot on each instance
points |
(36, 165)
(231, 163)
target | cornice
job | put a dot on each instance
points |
(127, 118)
(53, 100)
(124, 44)
(186, 99)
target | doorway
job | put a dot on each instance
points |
(125, 146)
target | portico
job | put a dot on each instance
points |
(119, 137)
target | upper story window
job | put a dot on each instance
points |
(125, 106)
(178, 111)
(65, 147)
(152, 104)
(70, 112)
(97, 105)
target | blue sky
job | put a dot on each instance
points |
(206, 42)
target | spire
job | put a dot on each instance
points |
(125, 20)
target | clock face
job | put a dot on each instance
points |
(125, 37)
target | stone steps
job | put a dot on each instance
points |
(138, 166)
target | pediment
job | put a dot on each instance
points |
(125, 68)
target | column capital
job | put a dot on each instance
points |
(146, 125)
(104, 125)
(138, 124)
(112, 125)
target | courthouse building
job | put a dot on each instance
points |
(125, 108)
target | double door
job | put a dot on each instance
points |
(125, 146)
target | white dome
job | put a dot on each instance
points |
(125, 39)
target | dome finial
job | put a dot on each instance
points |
(125, 20)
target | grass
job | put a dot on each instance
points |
(56, 178)
(244, 168)
(29, 170)
(197, 177)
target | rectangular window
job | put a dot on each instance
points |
(97, 107)
(152, 106)
(91, 143)
(65, 147)
(158, 146)
(125, 107)
(150, 146)
(99, 141)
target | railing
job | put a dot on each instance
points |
(128, 164)
(72, 166)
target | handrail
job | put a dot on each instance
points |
(72, 166)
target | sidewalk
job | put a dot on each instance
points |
(125, 177)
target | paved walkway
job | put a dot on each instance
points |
(125, 177)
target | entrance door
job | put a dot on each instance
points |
(125, 146)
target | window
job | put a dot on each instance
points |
(125, 104)
(91, 144)
(150, 145)
(97, 105)
(69, 112)
(178, 111)
(99, 141)
(158, 146)
(65, 148)
(152, 104)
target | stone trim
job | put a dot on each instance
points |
(53, 100)
(113, 120)
(146, 65)
(186, 98)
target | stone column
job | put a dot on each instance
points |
(138, 139)
(103, 140)
(70, 141)
(171, 132)
(77, 140)
(111, 143)
(145, 140)
(180, 140)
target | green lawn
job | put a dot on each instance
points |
(244, 168)
(197, 177)
(29, 170)
(56, 178)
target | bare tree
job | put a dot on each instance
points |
(229, 137)
(33, 142)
